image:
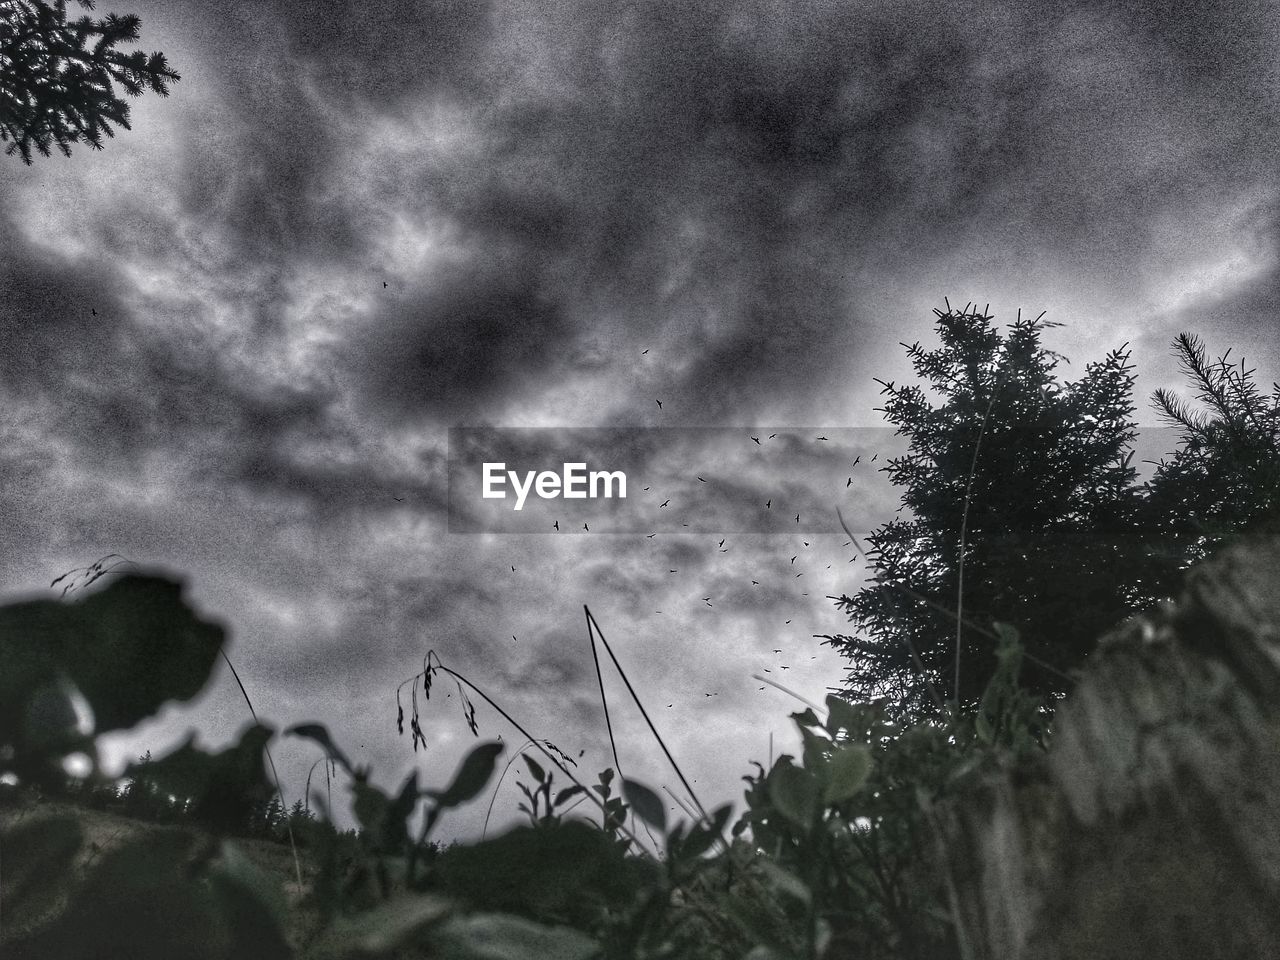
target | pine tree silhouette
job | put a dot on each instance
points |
(58, 77)
(1033, 476)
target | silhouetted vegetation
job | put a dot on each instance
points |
(59, 76)
(1023, 507)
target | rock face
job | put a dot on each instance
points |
(1151, 828)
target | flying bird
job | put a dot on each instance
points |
(768, 504)
(384, 284)
(664, 502)
(556, 524)
(757, 440)
(398, 499)
(873, 457)
(659, 403)
(857, 459)
(586, 528)
(643, 352)
(702, 480)
(793, 560)
(822, 438)
(513, 569)
(772, 435)
(651, 536)
(785, 667)
(722, 542)
(777, 651)
(756, 582)
(93, 311)
(797, 518)
(849, 482)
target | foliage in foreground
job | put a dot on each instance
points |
(58, 77)
(827, 860)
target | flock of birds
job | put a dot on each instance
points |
(768, 504)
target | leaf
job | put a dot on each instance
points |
(648, 806)
(571, 870)
(395, 828)
(384, 929)
(785, 881)
(320, 734)
(794, 793)
(370, 807)
(471, 777)
(842, 715)
(498, 936)
(847, 772)
(223, 787)
(982, 727)
(129, 647)
(534, 767)
(806, 718)
(38, 857)
(251, 905)
(141, 900)
(568, 793)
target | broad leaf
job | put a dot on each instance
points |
(497, 936)
(794, 793)
(648, 806)
(474, 773)
(847, 772)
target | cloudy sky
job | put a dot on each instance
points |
(233, 343)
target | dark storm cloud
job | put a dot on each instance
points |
(726, 182)
(48, 325)
(461, 340)
(119, 390)
(381, 52)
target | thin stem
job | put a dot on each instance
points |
(644, 713)
(595, 656)
(494, 796)
(297, 866)
(964, 524)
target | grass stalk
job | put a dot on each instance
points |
(964, 524)
(288, 826)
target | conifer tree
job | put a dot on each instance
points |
(1224, 478)
(1017, 485)
(58, 77)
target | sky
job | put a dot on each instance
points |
(235, 342)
